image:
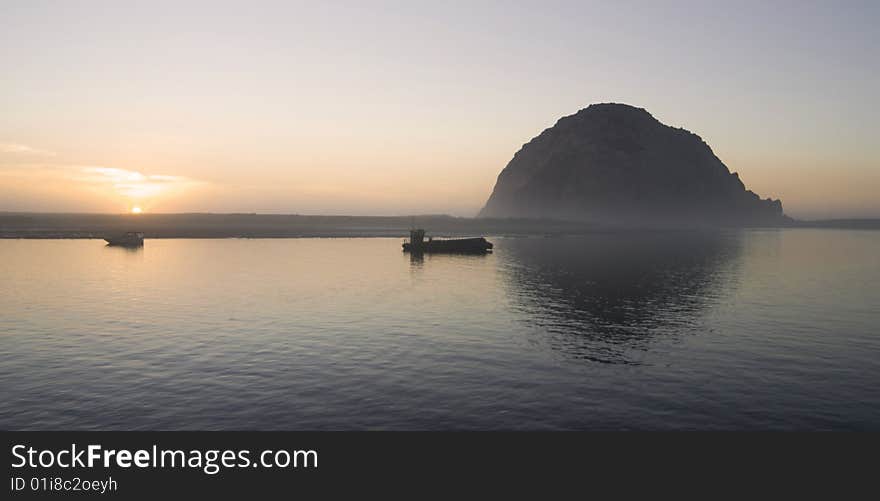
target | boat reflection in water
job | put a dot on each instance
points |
(417, 244)
(128, 239)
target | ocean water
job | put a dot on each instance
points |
(753, 329)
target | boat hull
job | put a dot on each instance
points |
(451, 246)
(124, 243)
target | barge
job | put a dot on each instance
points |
(128, 239)
(418, 244)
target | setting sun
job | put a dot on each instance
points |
(136, 210)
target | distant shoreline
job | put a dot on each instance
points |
(24, 225)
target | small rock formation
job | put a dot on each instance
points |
(617, 164)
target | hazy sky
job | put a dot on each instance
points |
(393, 108)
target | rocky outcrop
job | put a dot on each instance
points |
(614, 163)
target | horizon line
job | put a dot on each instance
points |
(436, 215)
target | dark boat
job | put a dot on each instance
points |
(418, 244)
(129, 239)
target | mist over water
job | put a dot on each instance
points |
(752, 329)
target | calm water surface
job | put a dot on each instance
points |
(742, 330)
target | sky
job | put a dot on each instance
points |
(415, 107)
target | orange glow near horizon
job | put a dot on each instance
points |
(136, 210)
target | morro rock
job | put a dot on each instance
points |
(617, 164)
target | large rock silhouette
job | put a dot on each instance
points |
(617, 164)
